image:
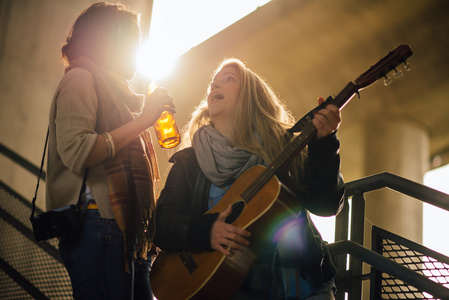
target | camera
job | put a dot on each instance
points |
(57, 223)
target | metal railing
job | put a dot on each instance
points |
(349, 280)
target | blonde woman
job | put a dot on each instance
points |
(242, 123)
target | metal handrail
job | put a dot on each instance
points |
(356, 190)
(22, 281)
(399, 184)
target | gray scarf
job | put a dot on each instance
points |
(218, 160)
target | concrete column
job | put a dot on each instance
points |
(400, 147)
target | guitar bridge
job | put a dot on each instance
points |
(187, 261)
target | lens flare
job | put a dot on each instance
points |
(287, 230)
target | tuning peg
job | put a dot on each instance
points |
(387, 80)
(397, 73)
(406, 66)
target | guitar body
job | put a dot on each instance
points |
(216, 276)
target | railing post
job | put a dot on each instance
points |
(342, 234)
(375, 274)
(357, 233)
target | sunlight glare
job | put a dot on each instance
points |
(326, 227)
(179, 25)
(156, 62)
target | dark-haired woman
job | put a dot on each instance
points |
(99, 125)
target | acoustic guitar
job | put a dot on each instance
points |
(258, 198)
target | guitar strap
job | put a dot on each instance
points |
(42, 176)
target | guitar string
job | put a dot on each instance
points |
(297, 144)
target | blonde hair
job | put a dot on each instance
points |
(260, 120)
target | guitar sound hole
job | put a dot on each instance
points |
(237, 209)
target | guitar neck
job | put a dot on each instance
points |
(299, 142)
(305, 125)
(345, 95)
(292, 149)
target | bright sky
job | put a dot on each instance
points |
(436, 220)
(178, 25)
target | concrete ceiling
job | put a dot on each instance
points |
(314, 48)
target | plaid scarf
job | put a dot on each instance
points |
(133, 173)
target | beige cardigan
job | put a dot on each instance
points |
(71, 137)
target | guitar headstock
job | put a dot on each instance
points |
(393, 59)
(380, 69)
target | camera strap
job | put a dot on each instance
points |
(83, 186)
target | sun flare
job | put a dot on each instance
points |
(179, 25)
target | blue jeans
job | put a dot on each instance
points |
(95, 261)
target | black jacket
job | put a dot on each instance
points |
(182, 224)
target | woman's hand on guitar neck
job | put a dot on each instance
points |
(227, 237)
(326, 120)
